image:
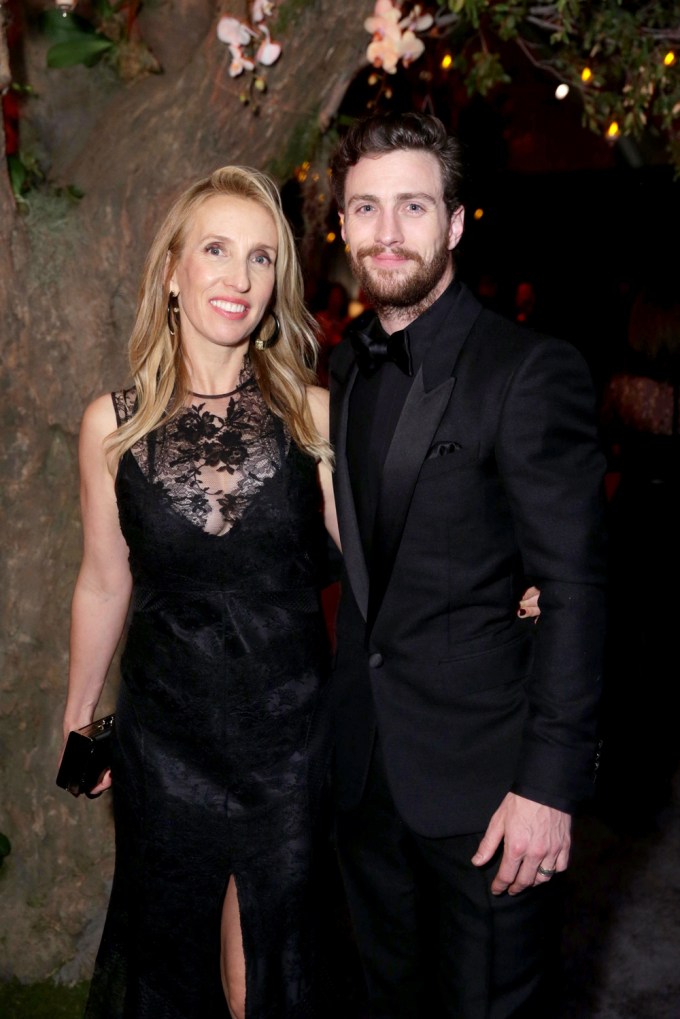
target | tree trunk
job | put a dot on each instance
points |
(68, 279)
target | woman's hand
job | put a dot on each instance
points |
(528, 604)
(104, 779)
(103, 784)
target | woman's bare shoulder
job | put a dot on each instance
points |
(318, 399)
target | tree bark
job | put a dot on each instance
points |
(68, 279)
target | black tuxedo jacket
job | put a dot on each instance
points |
(493, 478)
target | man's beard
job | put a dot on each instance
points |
(393, 294)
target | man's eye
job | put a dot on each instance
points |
(414, 207)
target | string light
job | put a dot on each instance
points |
(586, 74)
(669, 59)
(562, 91)
(330, 237)
(478, 213)
(613, 131)
(447, 60)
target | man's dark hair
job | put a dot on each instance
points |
(381, 133)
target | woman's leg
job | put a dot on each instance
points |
(233, 964)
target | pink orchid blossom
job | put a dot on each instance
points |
(268, 53)
(239, 62)
(394, 37)
(384, 21)
(417, 21)
(410, 48)
(261, 9)
(384, 53)
(233, 32)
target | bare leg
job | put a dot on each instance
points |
(233, 963)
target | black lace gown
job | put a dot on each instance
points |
(219, 747)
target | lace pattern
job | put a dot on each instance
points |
(209, 461)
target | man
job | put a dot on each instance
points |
(466, 467)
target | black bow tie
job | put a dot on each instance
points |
(372, 351)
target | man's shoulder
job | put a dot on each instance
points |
(505, 340)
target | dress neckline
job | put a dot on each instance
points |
(245, 376)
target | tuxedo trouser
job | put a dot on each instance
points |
(433, 940)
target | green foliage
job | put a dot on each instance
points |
(303, 142)
(42, 1001)
(87, 51)
(24, 175)
(74, 40)
(287, 13)
(112, 34)
(623, 43)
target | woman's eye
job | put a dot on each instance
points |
(262, 259)
(213, 249)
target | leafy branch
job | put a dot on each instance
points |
(112, 35)
(617, 55)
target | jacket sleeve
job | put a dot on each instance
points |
(553, 469)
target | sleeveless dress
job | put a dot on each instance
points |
(219, 750)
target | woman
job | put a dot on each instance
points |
(201, 491)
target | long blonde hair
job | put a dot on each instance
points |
(156, 361)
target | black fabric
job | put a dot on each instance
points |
(220, 744)
(433, 939)
(377, 401)
(469, 700)
(373, 349)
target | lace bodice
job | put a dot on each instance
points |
(210, 460)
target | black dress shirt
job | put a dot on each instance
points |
(375, 405)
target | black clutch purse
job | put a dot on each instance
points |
(86, 755)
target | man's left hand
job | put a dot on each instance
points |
(534, 836)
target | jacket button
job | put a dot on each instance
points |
(375, 660)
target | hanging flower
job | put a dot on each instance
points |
(238, 36)
(268, 52)
(233, 32)
(394, 37)
(260, 10)
(410, 48)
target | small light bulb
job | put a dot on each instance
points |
(613, 131)
(330, 237)
(562, 91)
(478, 213)
(586, 74)
(447, 60)
(669, 59)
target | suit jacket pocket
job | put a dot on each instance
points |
(445, 456)
(492, 667)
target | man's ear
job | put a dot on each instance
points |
(456, 227)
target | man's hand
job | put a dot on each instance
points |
(533, 836)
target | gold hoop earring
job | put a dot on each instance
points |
(263, 344)
(173, 313)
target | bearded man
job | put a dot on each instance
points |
(467, 465)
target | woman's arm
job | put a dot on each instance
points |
(102, 591)
(318, 404)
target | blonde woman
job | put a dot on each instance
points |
(202, 489)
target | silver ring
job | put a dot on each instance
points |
(545, 872)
